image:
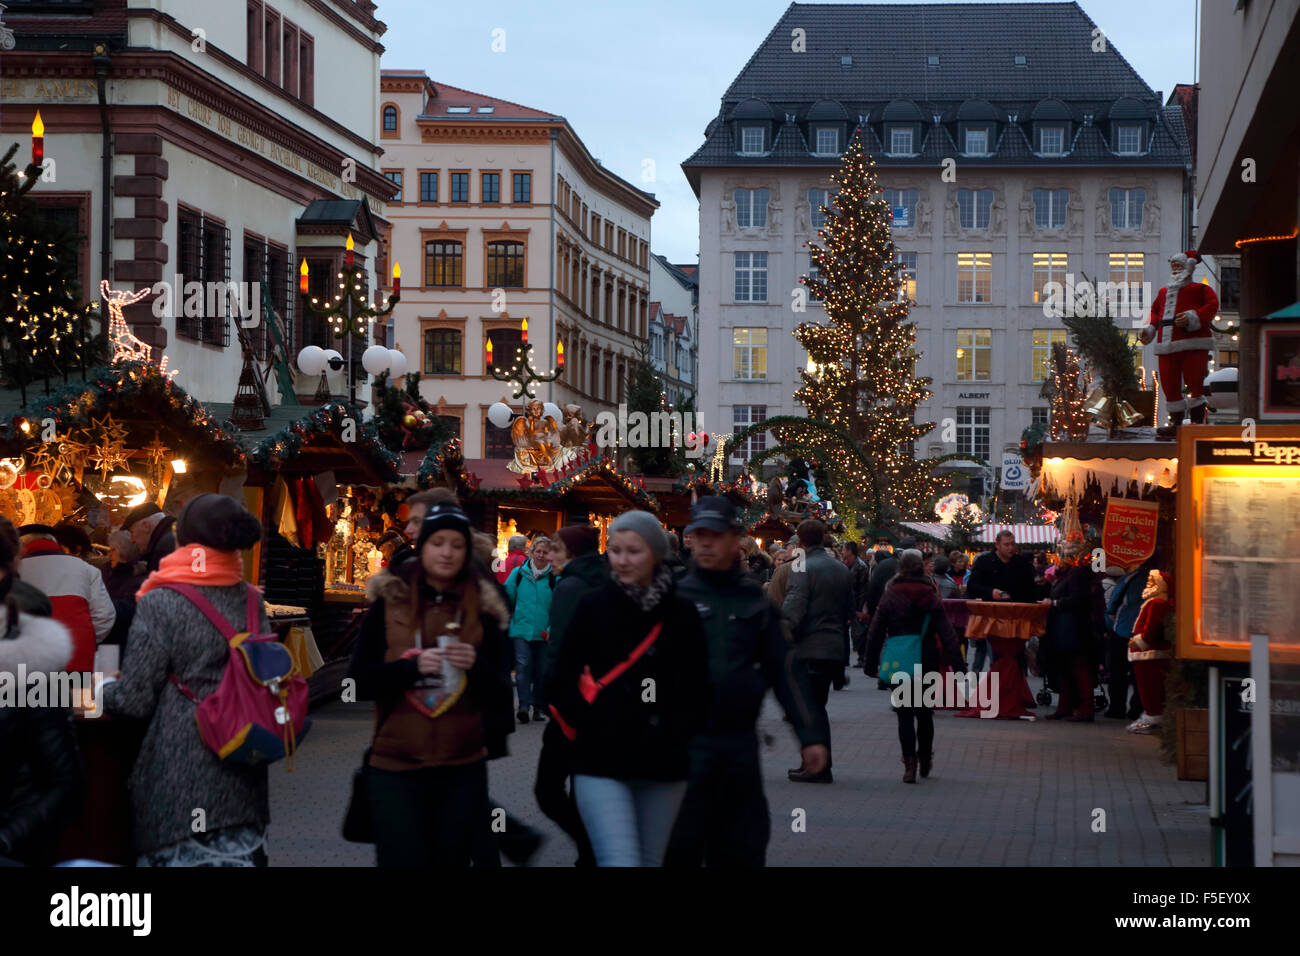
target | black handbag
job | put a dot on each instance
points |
(358, 825)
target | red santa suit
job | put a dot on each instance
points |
(1148, 651)
(1183, 354)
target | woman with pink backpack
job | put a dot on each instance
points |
(191, 807)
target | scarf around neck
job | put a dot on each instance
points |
(648, 597)
(183, 566)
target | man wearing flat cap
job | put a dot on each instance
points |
(724, 818)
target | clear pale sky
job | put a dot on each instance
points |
(641, 80)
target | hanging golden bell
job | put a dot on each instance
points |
(1127, 415)
(1100, 406)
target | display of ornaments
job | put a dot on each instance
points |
(8, 473)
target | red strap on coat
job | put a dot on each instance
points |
(591, 688)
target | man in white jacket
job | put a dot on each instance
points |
(75, 589)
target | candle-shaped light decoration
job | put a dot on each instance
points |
(489, 351)
(347, 258)
(523, 328)
(559, 355)
(38, 141)
(302, 277)
(397, 278)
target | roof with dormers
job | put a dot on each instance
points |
(938, 65)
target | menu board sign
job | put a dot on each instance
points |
(1238, 542)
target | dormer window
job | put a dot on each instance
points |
(1051, 140)
(1128, 139)
(458, 109)
(900, 141)
(931, 61)
(828, 141)
(1021, 60)
(751, 140)
(977, 142)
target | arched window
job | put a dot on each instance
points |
(390, 118)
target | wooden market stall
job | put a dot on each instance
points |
(315, 482)
(501, 502)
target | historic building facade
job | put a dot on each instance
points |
(504, 218)
(223, 149)
(1002, 178)
(674, 327)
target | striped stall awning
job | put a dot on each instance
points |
(1025, 533)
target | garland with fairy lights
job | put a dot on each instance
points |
(274, 451)
(127, 390)
(861, 376)
(703, 485)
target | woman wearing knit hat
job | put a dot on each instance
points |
(432, 655)
(630, 688)
(171, 637)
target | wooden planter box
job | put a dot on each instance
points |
(1194, 743)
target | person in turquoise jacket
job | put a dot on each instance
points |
(529, 589)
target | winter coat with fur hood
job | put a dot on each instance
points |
(41, 780)
(488, 693)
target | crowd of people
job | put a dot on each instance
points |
(648, 665)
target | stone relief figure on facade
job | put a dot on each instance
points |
(1027, 217)
(1074, 216)
(923, 214)
(773, 218)
(1103, 216)
(729, 215)
(950, 219)
(1151, 218)
(803, 216)
(998, 216)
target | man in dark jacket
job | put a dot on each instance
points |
(1002, 574)
(724, 819)
(861, 585)
(575, 552)
(818, 607)
(886, 567)
(152, 531)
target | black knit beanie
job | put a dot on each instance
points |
(217, 522)
(444, 514)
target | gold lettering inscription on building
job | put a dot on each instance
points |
(49, 90)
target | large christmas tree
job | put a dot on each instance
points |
(861, 375)
(43, 332)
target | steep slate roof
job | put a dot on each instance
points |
(976, 43)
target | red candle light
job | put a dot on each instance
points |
(559, 355)
(397, 278)
(523, 328)
(489, 351)
(347, 258)
(38, 141)
(302, 277)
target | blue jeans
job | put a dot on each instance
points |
(982, 654)
(530, 662)
(629, 821)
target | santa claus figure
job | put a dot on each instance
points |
(1149, 652)
(1179, 324)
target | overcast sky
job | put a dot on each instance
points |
(640, 80)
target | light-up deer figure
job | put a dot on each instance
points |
(126, 347)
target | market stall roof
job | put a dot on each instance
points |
(333, 437)
(1027, 534)
(674, 494)
(136, 396)
(595, 481)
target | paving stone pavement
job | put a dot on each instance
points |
(1003, 793)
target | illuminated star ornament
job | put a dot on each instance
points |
(126, 347)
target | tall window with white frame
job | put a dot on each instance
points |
(751, 140)
(902, 206)
(974, 277)
(742, 416)
(1051, 140)
(751, 277)
(973, 431)
(974, 207)
(900, 141)
(1049, 267)
(1126, 208)
(751, 208)
(907, 272)
(974, 355)
(1128, 139)
(977, 142)
(1049, 208)
(749, 353)
(1127, 275)
(1041, 351)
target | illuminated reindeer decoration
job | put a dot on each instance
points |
(126, 347)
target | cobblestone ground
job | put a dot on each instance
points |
(1003, 793)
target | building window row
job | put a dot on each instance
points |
(598, 231)
(975, 353)
(458, 192)
(281, 51)
(602, 295)
(444, 264)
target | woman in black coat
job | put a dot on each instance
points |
(629, 740)
(907, 601)
(41, 780)
(1070, 641)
